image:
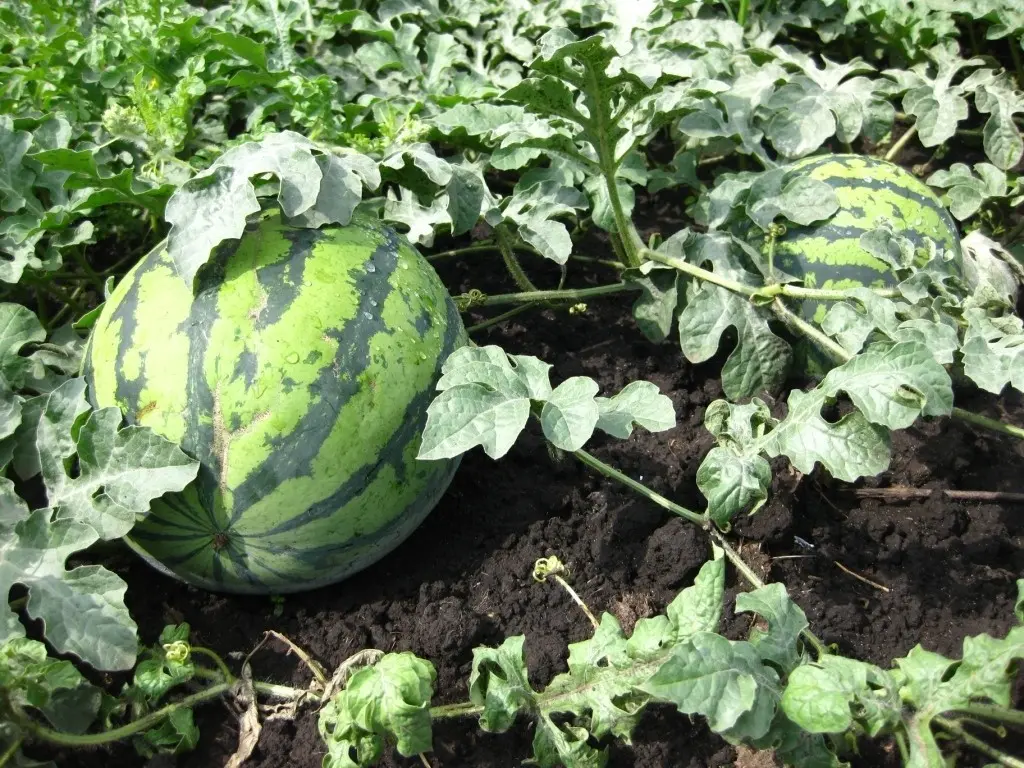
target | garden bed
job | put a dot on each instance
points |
(464, 578)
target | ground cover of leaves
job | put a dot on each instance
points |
(463, 579)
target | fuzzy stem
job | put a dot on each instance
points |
(988, 423)
(216, 659)
(43, 733)
(741, 14)
(9, 752)
(977, 744)
(484, 324)
(515, 269)
(567, 294)
(700, 273)
(595, 463)
(895, 149)
(1014, 717)
(463, 251)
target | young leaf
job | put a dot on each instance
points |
(734, 477)
(698, 608)
(823, 697)
(724, 680)
(786, 620)
(570, 413)
(499, 682)
(640, 403)
(389, 699)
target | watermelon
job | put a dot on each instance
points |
(828, 254)
(298, 374)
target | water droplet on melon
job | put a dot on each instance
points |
(368, 315)
(373, 302)
(370, 267)
(292, 357)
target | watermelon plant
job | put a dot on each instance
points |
(225, 345)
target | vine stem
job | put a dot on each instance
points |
(988, 423)
(698, 519)
(565, 294)
(507, 246)
(895, 149)
(125, 731)
(764, 291)
(9, 752)
(608, 471)
(484, 324)
(483, 248)
(990, 712)
(975, 743)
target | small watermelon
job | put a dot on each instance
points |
(298, 373)
(828, 254)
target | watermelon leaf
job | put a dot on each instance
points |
(570, 413)
(761, 359)
(639, 403)
(993, 350)
(390, 699)
(934, 99)
(215, 205)
(97, 497)
(849, 448)
(968, 191)
(487, 397)
(83, 609)
(733, 476)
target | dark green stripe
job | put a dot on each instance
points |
(128, 392)
(293, 454)
(198, 437)
(393, 453)
(833, 234)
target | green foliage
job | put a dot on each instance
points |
(487, 397)
(534, 121)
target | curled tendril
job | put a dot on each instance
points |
(548, 566)
(473, 298)
(177, 652)
(776, 231)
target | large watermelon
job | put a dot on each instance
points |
(828, 254)
(298, 374)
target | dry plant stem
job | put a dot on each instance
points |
(576, 599)
(910, 133)
(974, 742)
(903, 493)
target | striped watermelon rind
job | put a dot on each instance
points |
(828, 254)
(299, 375)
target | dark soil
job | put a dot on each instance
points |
(464, 578)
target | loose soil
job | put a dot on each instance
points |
(464, 578)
